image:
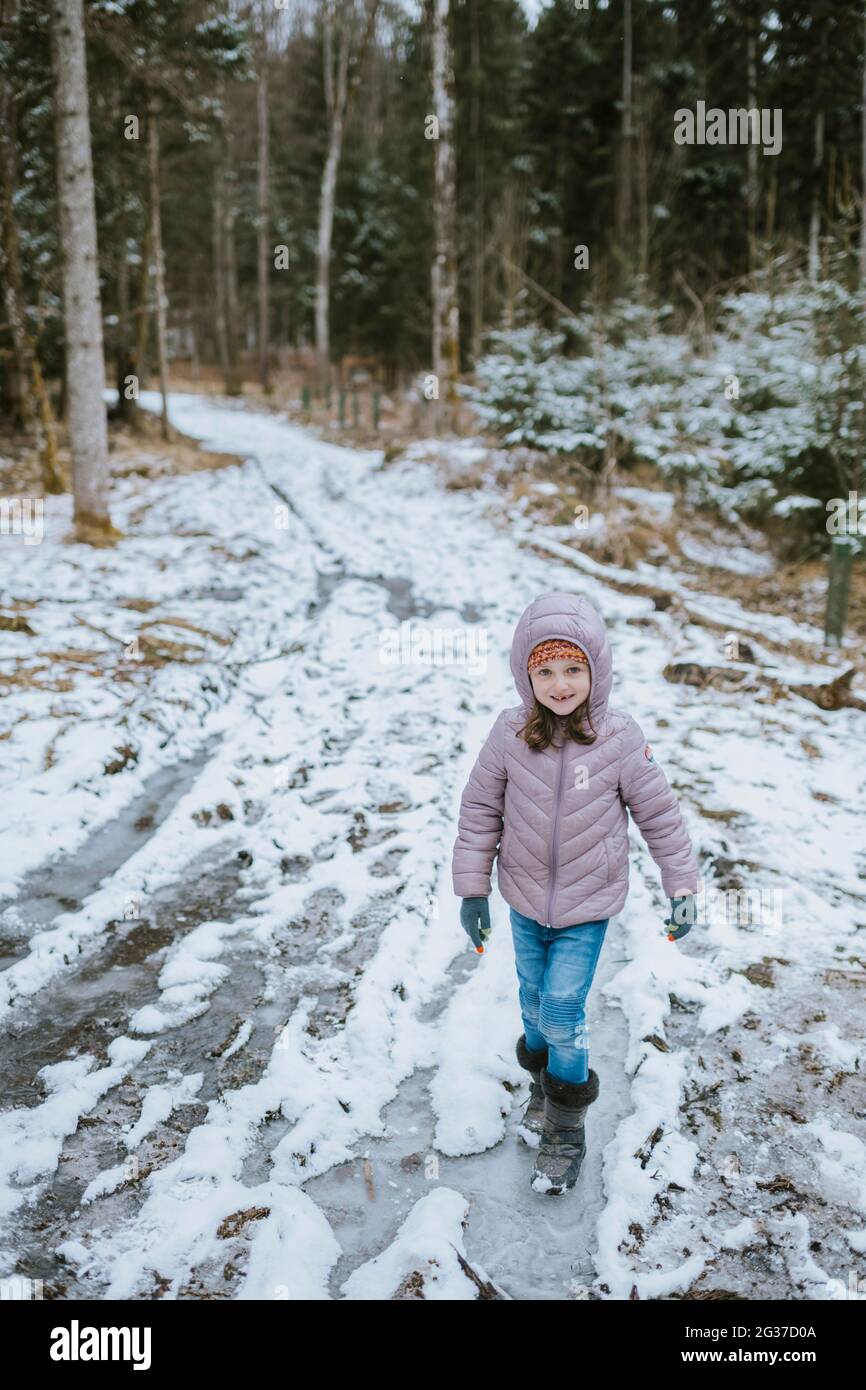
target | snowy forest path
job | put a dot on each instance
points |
(318, 1080)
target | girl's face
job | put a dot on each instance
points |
(561, 685)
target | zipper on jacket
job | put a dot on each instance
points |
(553, 845)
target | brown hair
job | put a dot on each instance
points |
(540, 728)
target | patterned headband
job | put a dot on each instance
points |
(546, 652)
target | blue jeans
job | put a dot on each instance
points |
(555, 966)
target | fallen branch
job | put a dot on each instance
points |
(836, 694)
(189, 627)
(717, 677)
(155, 649)
(486, 1288)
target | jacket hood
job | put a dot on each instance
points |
(573, 618)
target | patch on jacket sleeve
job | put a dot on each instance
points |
(648, 753)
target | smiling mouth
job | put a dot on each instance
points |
(561, 700)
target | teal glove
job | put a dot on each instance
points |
(684, 914)
(475, 921)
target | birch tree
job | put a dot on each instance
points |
(340, 20)
(446, 323)
(82, 310)
(335, 51)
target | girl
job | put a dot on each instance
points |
(549, 791)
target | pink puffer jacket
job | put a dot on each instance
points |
(561, 813)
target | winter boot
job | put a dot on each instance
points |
(530, 1126)
(563, 1144)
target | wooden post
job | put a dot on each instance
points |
(838, 587)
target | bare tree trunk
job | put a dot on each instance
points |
(623, 201)
(123, 283)
(770, 220)
(510, 232)
(32, 402)
(34, 405)
(233, 322)
(156, 252)
(262, 233)
(219, 273)
(194, 362)
(477, 191)
(642, 182)
(142, 365)
(23, 405)
(446, 323)
(814, 255)
(509, 270)
(338, 101)
(85, 366)
(194, 298)
(336, 87)
(124, 366)
(863, 170)
(752, 148)
(815, 214)
(323, 251)
(46, 434)
(225, 299)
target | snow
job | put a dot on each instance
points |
(797, 502)
(736, 558)
(316, 1076)
(659, 503)
(429, 1236)
(31, 1140)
